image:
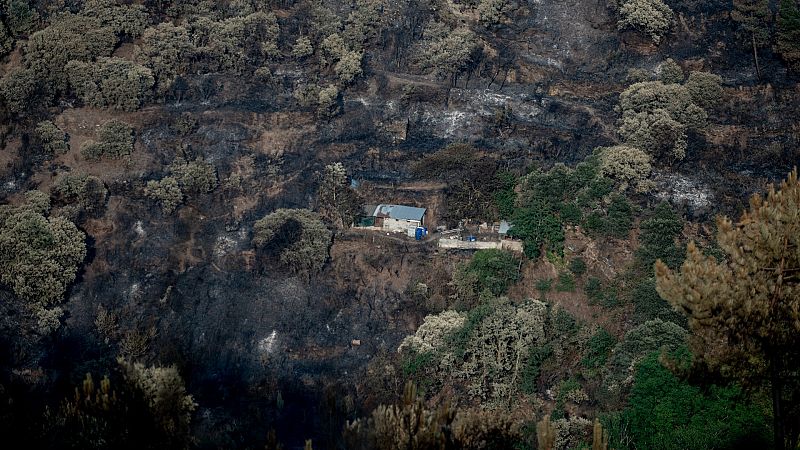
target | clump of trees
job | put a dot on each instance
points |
(742, 309)
(198, 176)
(788, 33)
(656, 116)
(39, 255)
(446, 53)
(110, 82)
(652, 17)
(297, 237)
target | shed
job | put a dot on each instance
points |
(398, 217)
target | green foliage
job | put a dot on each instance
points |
(53, 139)
(617, 221)
(302, 47)
(196, 176)
(504, 196)
(114, 139)
(125, 20)
(533, 368)
(69, 37)
(233, 44)
(296, 236)
(651, 336)
(665, 412)
(39, 257)
(577, 266)
(338, 202)
(788, 33)
(540, 229)
(566, 282)
(110, 82)
(564, 323)
(460, 338)
(416, 363)
(649, 305)
(657, 240)
(495, 270)
(629, 167)
(652, 17)
(22, 89)
(6, 40)
(19, 15)
(598, 349)
(166, 191)
(165, 394)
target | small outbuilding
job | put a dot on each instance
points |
(398, 217)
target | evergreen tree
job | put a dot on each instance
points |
(744, 312)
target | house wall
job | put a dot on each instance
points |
(399, 225)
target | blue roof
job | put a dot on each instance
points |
(399, 212)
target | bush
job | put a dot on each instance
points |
(652, 17)
(599, 348)
(495, 270)
(577, 266)
(533, 368)
(649, 305)
(628, 166)
(53, 139)
(544, 286)
(788, 34)
(296, 236)
(86, 191)
(658, 239)
(302, 47)
(656, 117)
(566, 282)
(114, 139)
(166, 191)
(446, 53)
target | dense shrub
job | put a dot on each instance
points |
(53, 139)
(648, 305)
(165, 49)
(670, 72)
(705, 89)
(296, 236)
(445, 53)
(656, 117)
(165, 191)
(566, 282)
(495, 270)
(577, 266)
(196, 176)
(87, 192)
(788, 34)
(651, 336)
(658, 239)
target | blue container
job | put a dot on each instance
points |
(471, 238)
(419, 233)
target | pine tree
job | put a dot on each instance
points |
(744, 312)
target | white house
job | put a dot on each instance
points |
(398, 217)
